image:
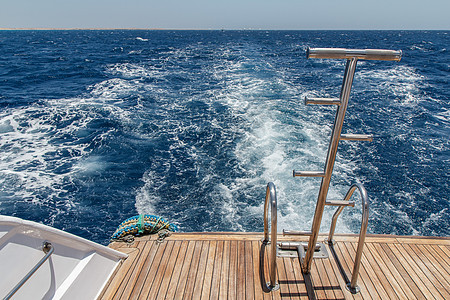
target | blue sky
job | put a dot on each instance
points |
(227, 14)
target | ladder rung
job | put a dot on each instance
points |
(308, 174)
(356, 137)
(340, 203)
(323, 101)
(296, 232)
(340, 53)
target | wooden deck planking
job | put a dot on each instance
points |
(431, 272)
(325, 282)
(347, 265)
(192, 272)
(282, 279)
(240, 278)
(177, 270)
(128, 265)
(440, 255)
(249, 267)
(133, 273)
(229, 266)
(201, 271)
(335, 273)
(186, 269)
(414, 272)
(374, 273)
(333, 280)
(431, 267)
(405, 288)
(365, 282)
(153, 283)
(299, 280)
(437, 263)
(147, 274)
(216, 273)
(225, 274)
(389, 282)
(291, 281)
(266, 272)
(232, 271)
(406, 276)
(259, 293)
(164, 286)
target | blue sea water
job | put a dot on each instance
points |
(98, 126)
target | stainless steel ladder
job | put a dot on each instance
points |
(352, 56)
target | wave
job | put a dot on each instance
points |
(193, 130)
(403, 82)
(261, 139)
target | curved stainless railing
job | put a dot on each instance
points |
(362, 233)
(271, 198)
(48, 250)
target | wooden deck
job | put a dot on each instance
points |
(227, 266)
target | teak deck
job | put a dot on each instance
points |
(227, 266)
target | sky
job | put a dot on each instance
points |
(227, 14)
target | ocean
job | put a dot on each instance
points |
(100, 125)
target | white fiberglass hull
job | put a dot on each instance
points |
(77, 269)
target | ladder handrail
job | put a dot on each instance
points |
(365, 202)
(362, 233)
(271, 197)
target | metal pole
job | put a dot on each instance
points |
(331, 156)
(271, 197)
(362, 236)
(340, 53)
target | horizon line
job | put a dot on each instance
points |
(200, 29)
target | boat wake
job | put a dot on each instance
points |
(192, 130)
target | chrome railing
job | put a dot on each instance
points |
(329, 164)
(367, 54)
(271, 199)
(352, 286)
(352, 56)
(48, 250)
